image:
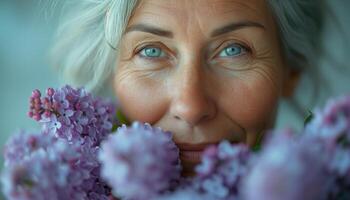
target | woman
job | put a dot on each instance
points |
(204, 70)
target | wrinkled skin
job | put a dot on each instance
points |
(201, 83)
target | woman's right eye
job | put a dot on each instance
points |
(152, 52)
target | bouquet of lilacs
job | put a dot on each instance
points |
(84, 152)
(59, 161)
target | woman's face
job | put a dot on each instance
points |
(206, 70)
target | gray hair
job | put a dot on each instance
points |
(85, 51)
(82, 52)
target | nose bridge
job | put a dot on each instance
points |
(190, 101)
(191, 75)
(190, 78)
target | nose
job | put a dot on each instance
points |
(191, 103)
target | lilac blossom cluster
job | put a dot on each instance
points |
(219, 176)
(140, 162)
(73, 114)
(331, 125)
(61, 161)
(289, 167)
(75, 157)
(40, 166)
(222, 169)
(312, 164)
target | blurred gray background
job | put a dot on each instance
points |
(25, 37)
(26, 34)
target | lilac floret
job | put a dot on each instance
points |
(289, 167)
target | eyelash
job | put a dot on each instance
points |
(139, 50)
(245, 48)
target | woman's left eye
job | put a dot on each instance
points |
(152, 52)
(233, 50)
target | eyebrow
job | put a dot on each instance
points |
(235, 26)
(150, 29)
(165, 33)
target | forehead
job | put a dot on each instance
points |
(171, 12)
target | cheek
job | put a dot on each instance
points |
(252, 104)
(141, 99)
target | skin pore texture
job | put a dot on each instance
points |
(206, 70)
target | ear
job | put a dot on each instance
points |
(291, 82)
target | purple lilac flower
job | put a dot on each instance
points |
(184, 194)
(222, 169)
(140, 162)
(339, 167)
(42, 169)
(21, 145)
(65, 116)
(103, 112)
(332, 122)
(70, 138)
(73, 114)
(35, 105)
(332, 125)
(52, 123)
(41, 166)
(80, 120)
(30, 180)
(289, 168)
(60, 97)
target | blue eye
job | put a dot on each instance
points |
(232, 50)
(152, 52)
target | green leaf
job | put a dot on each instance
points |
(308, 118)
(258, 145)
(121, 120)
(343, 141)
